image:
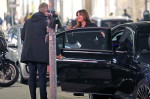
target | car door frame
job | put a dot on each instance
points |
(78, 63)
(124, 64)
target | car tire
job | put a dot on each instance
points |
(142, 90)
(20, 78)
(94, 96)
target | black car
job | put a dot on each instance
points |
(110, 21)
(106, 63)
(103, 21)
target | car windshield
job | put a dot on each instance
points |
(112, 23)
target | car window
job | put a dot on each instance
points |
(144, 46)
(117, 37)
(15, 33)
(112, 23)
(126, 41)
(122, 40)
(9, 34)
(144, 43)
(94, 21)
(127, 35)
(59, 40)
(86, 40)
(70, 23)
(12, 35)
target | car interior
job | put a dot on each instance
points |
(123, 41)
(77, 40)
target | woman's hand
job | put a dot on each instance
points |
(59, 57)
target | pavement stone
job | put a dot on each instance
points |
(21, 91)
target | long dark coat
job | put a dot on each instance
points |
(33, 35)
(89, 24)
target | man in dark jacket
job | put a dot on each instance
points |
(35, 50)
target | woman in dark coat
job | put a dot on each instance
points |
(83, 19)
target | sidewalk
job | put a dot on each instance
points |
(21, 91)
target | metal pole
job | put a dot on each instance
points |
(52, 64)
(52, 59)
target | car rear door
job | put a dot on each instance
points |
(87, 56)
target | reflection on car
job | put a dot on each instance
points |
(110, 21)
(107, 63)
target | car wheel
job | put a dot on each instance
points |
(20, 78)
(94, 96)
(142, 91)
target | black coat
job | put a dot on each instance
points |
(33, 35)
(89, 24)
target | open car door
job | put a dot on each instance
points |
(87, 56)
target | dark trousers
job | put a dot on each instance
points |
(42, 69)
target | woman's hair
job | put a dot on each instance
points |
(86, 16)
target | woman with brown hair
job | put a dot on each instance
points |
(83, 19)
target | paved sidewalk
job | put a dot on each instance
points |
(21, 91)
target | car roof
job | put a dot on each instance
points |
(18, 25)
(138, 25)
(111, 18)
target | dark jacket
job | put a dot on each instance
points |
(33, 35)
(89, 24)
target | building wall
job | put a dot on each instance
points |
(148, 5)
(69, 8)
(124, 4)
(139, 9)
(135, 8)
(28, 6)
(98, 8)
(3, 7)
(102, 8)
